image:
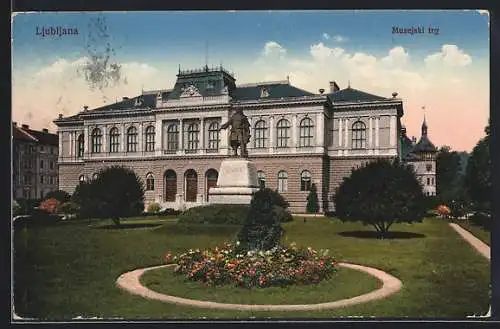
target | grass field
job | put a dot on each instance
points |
(69, 270)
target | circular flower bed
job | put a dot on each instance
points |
(280, 266)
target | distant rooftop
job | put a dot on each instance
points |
(205, 69)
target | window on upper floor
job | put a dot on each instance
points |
(41, 179)
(282, 181)
(358, 135)
(132, 139)
(150, 139)
(114, 140)
(193, 132)
(41, 164)
(428, 167)
(96, 140)
(172, 137)
(305, 181)
(42, 148)
(428, 181)
(260, 134)
(283, 133)
(51, 150)
(51, 164)
(213, 136)
(306, 132)
(80, 146)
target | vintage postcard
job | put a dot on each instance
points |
(236, 165)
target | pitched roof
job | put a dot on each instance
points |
(148, 101)
(275, 90)
(45, 138)
(352, 95)
(20, 134)
(30, 135)
(424, 145)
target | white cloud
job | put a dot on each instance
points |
(38, 97)
(450, 56)
(321, 52)
(339, 38)
(326, 36)
(272, 48)
(397, 57)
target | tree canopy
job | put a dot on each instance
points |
(380, 194)
(448, 174)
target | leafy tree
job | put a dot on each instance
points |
(118, 192)
(380, 194)
(261, 229)
(448, 174)
(59, 195)
(83, 197)
(478, 174)
(312, 206)
(276, 198)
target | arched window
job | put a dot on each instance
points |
(81, 178)
(260, 134)
(191, 185)
(358, 135)
(211, 180)
(170, 185)
(80, 146)
(283, 133)
(150, 182)
(306, 132)
(192, 138)
(213, 136)
(172, 137)
(132, 139)
(261, 177)
(150, 139)
(96, 140)
(428, 167)
(282, 181)
(95, 176)
(305, 181)
(114, 140)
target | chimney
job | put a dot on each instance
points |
(14, 123)
(45, 130)
(85, 108)
(26, 126)
(321, 91)
(124, 98)
(394, 94)
(60, 115)
(334, 87)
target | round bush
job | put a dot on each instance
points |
(154, 207)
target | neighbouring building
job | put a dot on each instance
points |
(35, 162)
(171, 137)
(422, 156)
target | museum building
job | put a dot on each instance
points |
(171, 137)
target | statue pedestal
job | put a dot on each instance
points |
(236, 184)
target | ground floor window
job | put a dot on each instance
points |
(282, 181)
(211, 176)
(170, 185)
(191, 185)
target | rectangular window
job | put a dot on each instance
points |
(41, 149)
(41, 179)
(41, 164)
(428, 181)
(51, 164)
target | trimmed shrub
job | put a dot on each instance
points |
(28, 205)
(276, 198)
(312, 206)
(283, 215)
(154, 207)
(16, 208)
(261, 229)
(169, 212)
(68, 208)
(215, 214)
(59, 195)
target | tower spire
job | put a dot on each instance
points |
(424, 124)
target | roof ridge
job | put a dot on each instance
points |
(263, 83)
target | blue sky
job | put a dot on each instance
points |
(300, 44)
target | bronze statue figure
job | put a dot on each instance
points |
(240, 132)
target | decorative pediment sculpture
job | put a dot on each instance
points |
(190, 91)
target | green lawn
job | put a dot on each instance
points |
(345, 283)
(477, 230)
(69, 270)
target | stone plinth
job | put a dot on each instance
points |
(236, 183)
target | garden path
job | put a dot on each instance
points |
(477, 244)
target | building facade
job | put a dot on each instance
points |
(171, 138)
(35, 162)
(422, 157)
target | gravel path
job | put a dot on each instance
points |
(477, 244)
(130, 282)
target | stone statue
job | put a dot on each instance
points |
(240, 132)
